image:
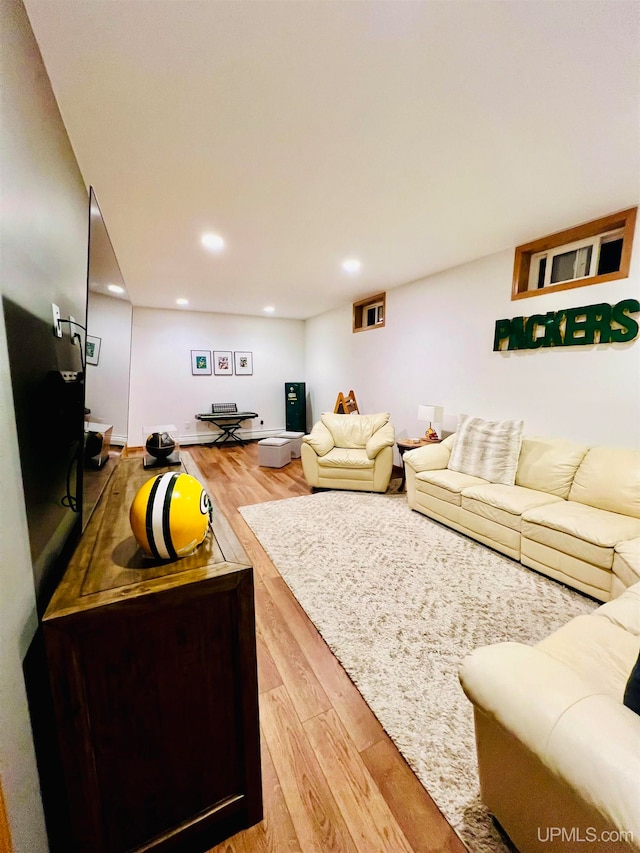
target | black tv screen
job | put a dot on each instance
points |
(48, 393)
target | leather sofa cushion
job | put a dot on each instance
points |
(353, 430)
(446, 484)
(549, 465)
(609, 478)
(624, 611)
(598, 649)
(626, 563)
(503, 504)
(598, 526)
(344, 457)
(580, 530)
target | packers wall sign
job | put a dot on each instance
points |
(593, 324)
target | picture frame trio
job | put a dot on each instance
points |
(221, 362)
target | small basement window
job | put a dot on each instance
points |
(369, 313)
(592, 253)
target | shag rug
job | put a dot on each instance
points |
(400, 600)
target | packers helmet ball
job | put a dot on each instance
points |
(169, 516)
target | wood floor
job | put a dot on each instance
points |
(332, 778)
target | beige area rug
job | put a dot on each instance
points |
(401, 600)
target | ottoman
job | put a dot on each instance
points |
(295, 439)
(274, 452)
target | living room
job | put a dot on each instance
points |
(435, 346)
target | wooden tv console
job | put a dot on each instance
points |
(154, 681)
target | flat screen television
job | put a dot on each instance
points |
(47, 378)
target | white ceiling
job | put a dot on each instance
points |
(413, 135)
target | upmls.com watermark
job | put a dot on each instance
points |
(582, 834)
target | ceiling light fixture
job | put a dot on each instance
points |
(213, 242)
(269, 309)
(352, 265)
(182, 301)
(115, 288)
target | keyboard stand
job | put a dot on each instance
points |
(229, 424)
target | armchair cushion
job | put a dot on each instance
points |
(383, 437)
(345, 457)
(353, 430)
(320, 439)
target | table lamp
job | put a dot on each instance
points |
(431, 414)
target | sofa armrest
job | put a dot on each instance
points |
(383, 437)
(524, 689)
(428, 457)
(595, 746)
(320, 439)
(588, 739)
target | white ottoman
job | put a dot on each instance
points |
(295, 439)
(274, 452)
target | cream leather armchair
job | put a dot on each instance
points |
(349, 452)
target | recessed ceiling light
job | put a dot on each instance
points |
(182, 301)
(269, 309)
(213, 242)
(115, 288)
(352, 265)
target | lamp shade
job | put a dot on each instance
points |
(431, 414)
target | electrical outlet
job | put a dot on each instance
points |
(187, 425)
(261, 423)
(57, 325)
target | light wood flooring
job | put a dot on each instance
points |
(332, 779)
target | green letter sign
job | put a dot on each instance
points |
(593, 324)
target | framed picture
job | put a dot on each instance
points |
(93, 349)
(201, 362)
(222, 364)
(243, 363)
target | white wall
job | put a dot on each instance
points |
(43, 245)
(437, 348)
(163, 389)
(107, 384)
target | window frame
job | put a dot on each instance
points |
(360, 308)
(589, 233)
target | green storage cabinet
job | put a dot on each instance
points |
(296, 406)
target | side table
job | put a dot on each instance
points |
(404, 444)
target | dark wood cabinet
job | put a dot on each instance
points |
(153, 674)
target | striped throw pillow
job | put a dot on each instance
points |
(487, 449)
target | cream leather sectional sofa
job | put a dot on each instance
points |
(558, 751)
(572, 514)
